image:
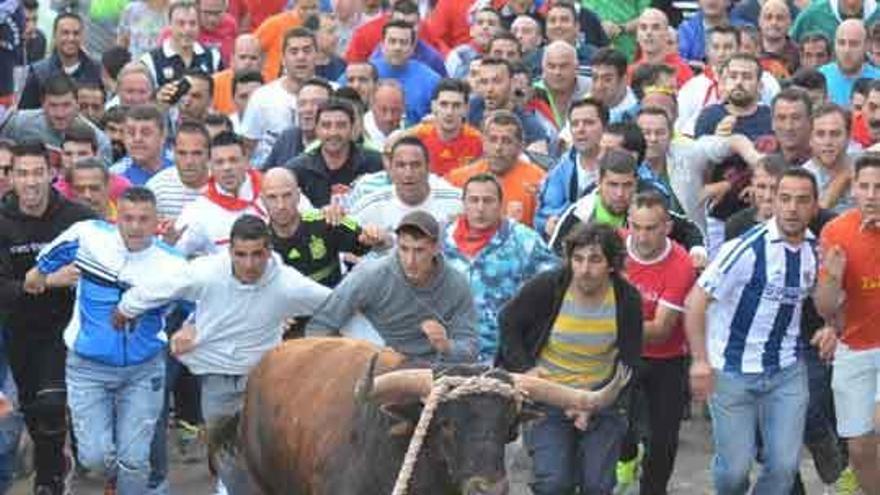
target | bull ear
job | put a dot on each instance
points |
(403, 416)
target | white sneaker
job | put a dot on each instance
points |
(220, 488)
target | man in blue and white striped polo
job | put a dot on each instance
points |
(743, 327)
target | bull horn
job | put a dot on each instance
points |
(402, 385)
(565, 397)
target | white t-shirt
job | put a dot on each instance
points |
(383, 208)
(270, 110)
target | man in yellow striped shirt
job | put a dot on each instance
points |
(572, 326)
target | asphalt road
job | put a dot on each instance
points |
(691, 476)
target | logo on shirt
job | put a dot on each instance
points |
(294, 254)
(317, 247)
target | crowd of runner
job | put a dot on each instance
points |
(553, 187)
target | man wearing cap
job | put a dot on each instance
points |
(419, 305)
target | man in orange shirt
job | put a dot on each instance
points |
(271, 34)
(247, 55)
(450, 141)
(502, 148)
(850, 273)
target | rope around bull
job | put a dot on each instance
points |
(445, 389)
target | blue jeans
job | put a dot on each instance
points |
(565, 457)
(772, 404)
(114, 411)
(10, 425)
(223, 396)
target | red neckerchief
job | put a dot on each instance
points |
(234, 203)
(471, 241)
(713, 88)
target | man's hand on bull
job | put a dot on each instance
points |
(184, 340)
(436, 334)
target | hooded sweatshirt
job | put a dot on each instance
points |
(823, 17)
(236, 323)
(379, 289)
(21, 238)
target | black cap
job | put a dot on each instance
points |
(422, 221)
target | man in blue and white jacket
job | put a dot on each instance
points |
(115, 377)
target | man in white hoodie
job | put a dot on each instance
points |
(243, 296)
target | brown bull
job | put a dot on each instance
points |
(303, 431)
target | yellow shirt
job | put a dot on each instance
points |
(581, 349)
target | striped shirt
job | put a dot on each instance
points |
(171, 194)
(581, 349)
(757, 284)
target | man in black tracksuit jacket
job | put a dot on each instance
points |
(565, 454)
(34, 323)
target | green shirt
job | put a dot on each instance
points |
(619, 12)
(605, 217)
(820, 18)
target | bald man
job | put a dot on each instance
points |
(560, 84)
(849, 62)
(777, 50)
(247, 55)
(652, 35)
(308, 241)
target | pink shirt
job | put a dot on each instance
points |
(118, 185)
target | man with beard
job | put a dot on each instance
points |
(451, 142)
(294, 140)
(829, 162)
(850, 64)
(325, 175)
(741, 110)
(113, 124)
(707, 88)
(30, 218)
(741, 113)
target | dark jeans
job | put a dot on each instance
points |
(565, 457)
(660, 400)
(38, 368)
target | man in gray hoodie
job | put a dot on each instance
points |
(420, 306)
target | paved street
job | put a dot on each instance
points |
(691, 475)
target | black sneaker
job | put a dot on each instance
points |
(827, 458)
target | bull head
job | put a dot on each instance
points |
(469, 434)
(407, 385)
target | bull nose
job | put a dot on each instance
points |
(483, 486)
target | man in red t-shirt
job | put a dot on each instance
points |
(450, 141)
(663, 272)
